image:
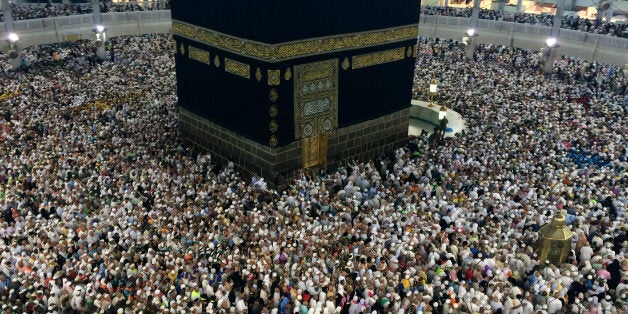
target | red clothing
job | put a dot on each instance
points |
(468, 275)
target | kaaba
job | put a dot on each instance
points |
(275, 86)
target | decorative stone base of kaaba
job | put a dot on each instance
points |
(358, 142)
(369, 139)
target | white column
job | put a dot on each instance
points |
(10, 28)
(609, 11)
(470, 47)
(519, 3)
(100, 52)
(501, 5)
(558, 19)
(549, 61)
(8, 16)
(96, 11)
(600, 14)
(473, 23)
(475, 14)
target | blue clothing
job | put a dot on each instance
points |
(532, 280)
(282, 306)
(4, 284)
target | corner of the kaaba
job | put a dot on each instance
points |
(295, 92)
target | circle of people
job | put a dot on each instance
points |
(105, 211)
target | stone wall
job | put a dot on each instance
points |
(368, 139)
(225, 145)
(358, 142)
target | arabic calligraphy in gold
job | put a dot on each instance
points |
(273, 141)
(315, 97)
(198, 54)
(287, 74)
(345, 63)
(273, 126)
(238, 68)
(273, 111)
(274, 77)
(273, 95)
(289, 50)
(258, 74)
(380, 57)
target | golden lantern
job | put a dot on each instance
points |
(433, 91)
(555, 240)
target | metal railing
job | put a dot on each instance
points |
(78, 20)
(56, 29)
(613, 42)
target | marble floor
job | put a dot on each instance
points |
(418, 123)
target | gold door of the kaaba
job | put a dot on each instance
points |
(315, 150)
(315, 108)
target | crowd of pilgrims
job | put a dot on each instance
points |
(33, 11)
(573, 22)
(25, 11)
(104, 210)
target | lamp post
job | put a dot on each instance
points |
(12, 39)
(555, 240)
(473, 23)
(433, 91)
(14, 50)
(550, 54)
(469, 40)
(100, 39)
(552, 42)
